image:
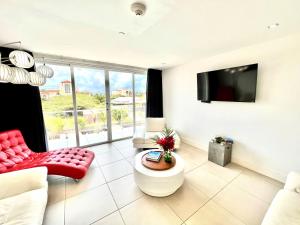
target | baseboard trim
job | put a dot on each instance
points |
(245, 163)
(260, 169)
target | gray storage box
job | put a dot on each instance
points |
(219, 153)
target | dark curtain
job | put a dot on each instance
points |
(154, 93)
(21, 109)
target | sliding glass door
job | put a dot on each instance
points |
(57, 103)
(140, 82)
(85, 106)
(91, 105)
(121, 104)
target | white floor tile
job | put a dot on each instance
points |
(54, 214)
(189, 166)
(56, 190)
(128, 151)
(92, 179)
(242, 205)
(116, 170)
(98, 149)
(94, 164)
(258, 185)
(213, 214)
(227, 173)
(89, 207)
(112, 219)
(123, 143)
(186, 201)
(108, 157)
(130, 160)
(149, 211)
(197, 157)
(207, 183)
(125, 190)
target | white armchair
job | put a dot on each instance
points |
(284, 209)
(153, 126)
(23, 196)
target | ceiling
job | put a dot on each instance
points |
(171, 32)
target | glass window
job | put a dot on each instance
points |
(121, 101)
(140, 81)
(58, 109)
(91, 105)
(91, 125)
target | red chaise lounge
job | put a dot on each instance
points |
(15, 155)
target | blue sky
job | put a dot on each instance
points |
(92, 80)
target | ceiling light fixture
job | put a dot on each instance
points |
(21, 76)
(36, 79)
(21, 59)
(6, 74)
(138, 8)
(272, 26)
(18, 75)
(46, 71)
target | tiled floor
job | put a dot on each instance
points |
(210, 195)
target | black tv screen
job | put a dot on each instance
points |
(236, 84)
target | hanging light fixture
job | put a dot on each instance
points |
(36, 79)
(21, 76)
(18, 75)
(6, 74)
(21, 59)
(45, 70)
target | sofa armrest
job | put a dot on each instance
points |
(293, 182)
(17, 182)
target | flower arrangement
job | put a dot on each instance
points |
(166, 141)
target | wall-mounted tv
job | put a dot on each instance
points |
(236, 84)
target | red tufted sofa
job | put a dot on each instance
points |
(15, 155)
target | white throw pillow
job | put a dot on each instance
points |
(4, 209)
(26, 208)
(155, 124)
(297, 189)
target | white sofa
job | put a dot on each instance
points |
(23, 196)
(153, 127)
(285, 207)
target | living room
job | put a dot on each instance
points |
(149, 112)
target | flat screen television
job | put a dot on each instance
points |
(236, 84)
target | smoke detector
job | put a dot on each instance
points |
(138, 8)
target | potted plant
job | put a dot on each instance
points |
(166, 141)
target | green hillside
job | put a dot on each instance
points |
(64, 102)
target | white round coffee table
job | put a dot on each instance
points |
(158, 183)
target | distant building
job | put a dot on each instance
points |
(65, 88)
(122, 92)
(46, 94)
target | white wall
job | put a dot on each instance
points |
(267, 132)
